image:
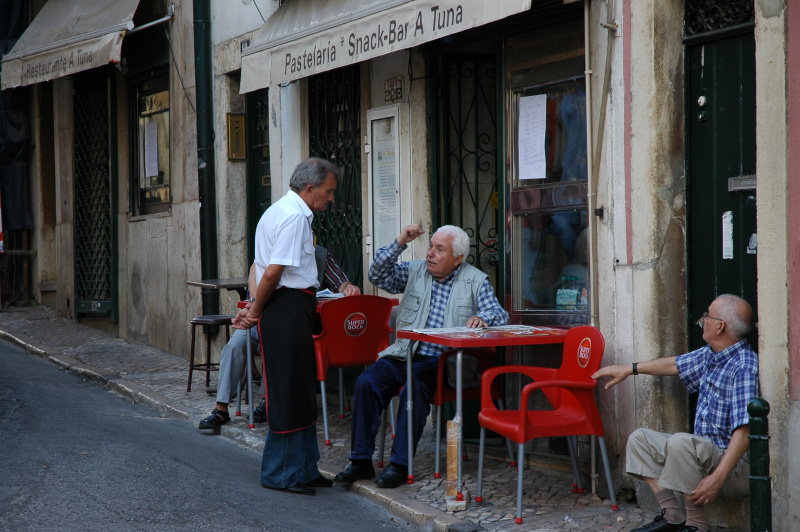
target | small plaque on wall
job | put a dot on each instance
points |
(236, 137)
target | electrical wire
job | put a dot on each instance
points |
(178, 72)
(255, 3)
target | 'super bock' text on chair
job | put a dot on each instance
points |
(569, 390)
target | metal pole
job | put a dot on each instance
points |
(760, 482)
(205, 151)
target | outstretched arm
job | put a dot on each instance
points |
(618, 373)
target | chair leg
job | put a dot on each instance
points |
(577, 485)
(604, 454)
(324, 412)
(341, 393)
(520, 462)
(208, 359)
(382, 444)
(479, 496)
(509, 447)
(437, 473)
(393, 416)
(191, 362)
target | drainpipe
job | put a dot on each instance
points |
(205, 151)
(594, 147)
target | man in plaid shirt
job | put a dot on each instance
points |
(713, 460)
(441, 291)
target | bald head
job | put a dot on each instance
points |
(737, 314)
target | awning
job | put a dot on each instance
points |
(305, 37)
(68, 36)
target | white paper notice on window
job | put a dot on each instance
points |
(151, 148)
(530, 136)
(727, 235)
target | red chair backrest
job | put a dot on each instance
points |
(581, 356)
(354, 330)
(583, 352)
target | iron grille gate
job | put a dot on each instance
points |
(335, 134)
(466, 193)
(92, 193)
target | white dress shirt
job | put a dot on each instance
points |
(283, 236)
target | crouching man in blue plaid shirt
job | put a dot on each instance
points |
(713, 461)
(440, 291)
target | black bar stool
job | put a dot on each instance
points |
(206, 321)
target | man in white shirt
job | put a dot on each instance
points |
(284, 307)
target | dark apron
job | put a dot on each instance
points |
(285, 332)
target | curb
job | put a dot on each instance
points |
(421, 515)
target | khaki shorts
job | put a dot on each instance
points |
(679, 461)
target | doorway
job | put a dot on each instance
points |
(334, 118)
(95, 245)
(720, 169)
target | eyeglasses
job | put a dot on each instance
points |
(701, 322)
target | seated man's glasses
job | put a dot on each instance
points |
(701, 322)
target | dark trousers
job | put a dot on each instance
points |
(374, 389)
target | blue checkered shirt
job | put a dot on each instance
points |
(725, 382)
(392, 276)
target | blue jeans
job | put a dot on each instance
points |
(375, 388)
(290, 458)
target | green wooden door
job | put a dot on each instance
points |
(721, 167)
(259, 179)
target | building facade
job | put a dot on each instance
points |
(615, 162)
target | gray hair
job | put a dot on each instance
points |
(737, 314)
(313, 171)
(460, 239)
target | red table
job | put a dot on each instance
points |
(463, 338)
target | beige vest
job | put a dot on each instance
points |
(416, 303)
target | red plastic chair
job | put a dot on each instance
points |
(354, 330)
(570, 391)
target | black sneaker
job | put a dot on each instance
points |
(260, 412)
(215, 420)
(659, 524)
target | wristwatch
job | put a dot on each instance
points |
(634, 368)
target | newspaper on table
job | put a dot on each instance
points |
(327, 294)
(477, 332)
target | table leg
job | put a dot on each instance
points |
(410, 416)
(250, 380)
(459, 419)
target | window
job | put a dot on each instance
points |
(151, 176)
(548, 185)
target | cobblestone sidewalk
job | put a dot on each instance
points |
(158, 378)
